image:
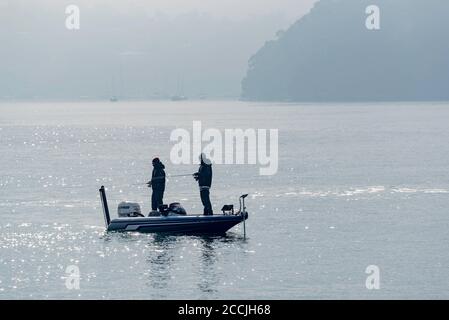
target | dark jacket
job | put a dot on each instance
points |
(158, 177)
(205, 175)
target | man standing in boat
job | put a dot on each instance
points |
(157, 183)
(204, 178)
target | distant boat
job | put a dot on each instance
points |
(113, 99)
(178, 98)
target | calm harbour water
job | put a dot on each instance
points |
(357, 185)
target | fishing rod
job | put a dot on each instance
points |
(181, 175)
(162, 177)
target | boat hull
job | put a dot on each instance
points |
(215, 224)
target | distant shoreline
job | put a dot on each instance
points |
(189, 101)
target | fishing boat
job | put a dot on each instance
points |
(172, 222)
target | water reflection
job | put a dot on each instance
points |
(209, 277)
(177, 265)
(195, 259)
(160, 260)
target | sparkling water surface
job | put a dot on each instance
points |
(357, 185)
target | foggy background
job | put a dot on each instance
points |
(135, 49)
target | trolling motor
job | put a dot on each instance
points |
(243, 212)
(242, 209)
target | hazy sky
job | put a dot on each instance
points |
(228, 8)
(192, 47)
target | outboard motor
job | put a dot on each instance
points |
(129, 209)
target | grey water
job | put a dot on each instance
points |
(357, 185)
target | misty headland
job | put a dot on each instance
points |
(332, 54)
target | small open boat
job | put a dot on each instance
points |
(185, 224)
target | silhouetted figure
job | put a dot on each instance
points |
(204, 178)
(157, 183)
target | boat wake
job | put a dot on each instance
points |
(355, 191)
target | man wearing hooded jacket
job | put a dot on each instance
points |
(157, 183)
(204, 178)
